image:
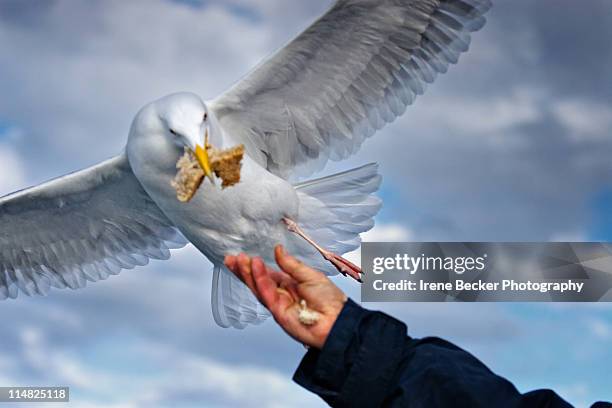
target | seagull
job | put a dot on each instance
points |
(353, 71)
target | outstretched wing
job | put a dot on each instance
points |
(81, 227)
(353, 71)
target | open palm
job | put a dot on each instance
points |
(282, 291)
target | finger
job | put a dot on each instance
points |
(295, 268)
(268, 289)
(285, 282)
(265, 286)
(230, 263)
(284, 274)
(272, 270)
(244, 266)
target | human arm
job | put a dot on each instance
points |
(364, 358)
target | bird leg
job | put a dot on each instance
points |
(343, 265)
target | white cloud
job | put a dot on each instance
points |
(56, 364)
(188, 376)
(478, 116)
(13, 175)
(381, 233)
(387, 233)
(239, 385)
(575, 236)
(584, 119)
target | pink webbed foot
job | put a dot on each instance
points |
(344, 266)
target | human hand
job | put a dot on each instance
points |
(281, 292)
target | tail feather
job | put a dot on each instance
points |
(334, 210)
(233, 304)
(346, 187)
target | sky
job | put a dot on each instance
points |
(512, 144)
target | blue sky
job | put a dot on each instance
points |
(512, 144)
(602, 217)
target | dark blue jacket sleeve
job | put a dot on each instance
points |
(369, 361)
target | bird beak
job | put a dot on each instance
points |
(202, 156)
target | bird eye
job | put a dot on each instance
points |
(173, 132)
(205, 116)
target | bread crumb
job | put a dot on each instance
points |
(307, 316)
(225, 164)
(188, 178)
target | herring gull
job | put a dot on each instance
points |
(351, 72)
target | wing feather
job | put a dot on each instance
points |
(354, 70)
(80, 228)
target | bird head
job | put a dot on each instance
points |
(186, 122)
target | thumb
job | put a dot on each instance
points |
(296, 269)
